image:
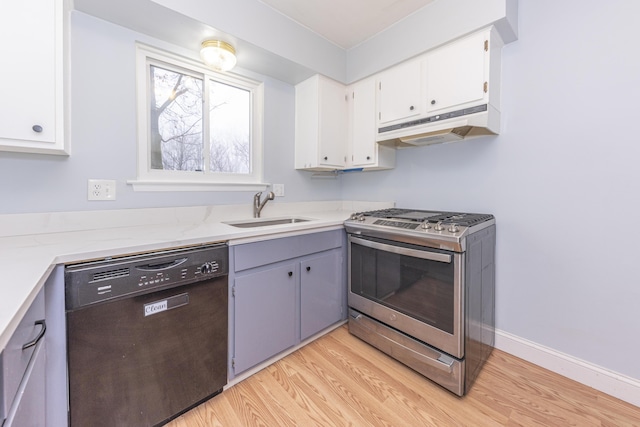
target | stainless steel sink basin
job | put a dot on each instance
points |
(265, 222)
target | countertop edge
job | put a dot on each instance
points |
(15, 307)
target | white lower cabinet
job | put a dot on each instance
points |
(283, 291)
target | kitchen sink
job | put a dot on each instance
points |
(265, 222)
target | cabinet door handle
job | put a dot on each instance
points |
(37, 128)
(411, 108)
(290, 273)
(433, 102)
(368, 157)
(326, 158)
(40, 335)
(308, 268)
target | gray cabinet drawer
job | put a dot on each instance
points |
(14, 360)
(252, 255)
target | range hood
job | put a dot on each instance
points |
(447, 127)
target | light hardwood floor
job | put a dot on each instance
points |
(339, 380)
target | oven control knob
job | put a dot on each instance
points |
(453, 228)
(438, 226)
(353, 216)
(360, 217)
(425, 225)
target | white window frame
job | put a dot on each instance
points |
(165, 180)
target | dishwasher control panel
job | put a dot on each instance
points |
(97, 281)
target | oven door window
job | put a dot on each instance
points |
(403, 278)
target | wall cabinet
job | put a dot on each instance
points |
(456, 75)
(336, 126)
(22, 367)
(283, 291)
(364, 151)
(456, 86)
(32, 104)
(320, 124)
(400, 92)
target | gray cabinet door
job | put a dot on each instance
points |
(264, 314)
(321, 292)
(28, 409)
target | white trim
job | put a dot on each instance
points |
(597, 377)
(160, 180)
(260, 366)
(147, 185)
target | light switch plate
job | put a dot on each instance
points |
(101, 189)
(278, 190)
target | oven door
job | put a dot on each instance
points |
(413, 289)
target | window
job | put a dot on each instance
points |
(197, 129)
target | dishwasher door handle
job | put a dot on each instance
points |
(162, 266)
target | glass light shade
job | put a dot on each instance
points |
(218, 55)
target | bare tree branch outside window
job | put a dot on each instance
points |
(176, 121)
(176, 112)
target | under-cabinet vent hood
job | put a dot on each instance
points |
(447, 127)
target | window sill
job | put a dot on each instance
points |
(141, 185)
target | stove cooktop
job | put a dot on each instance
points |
(420, 216)
(436, 229)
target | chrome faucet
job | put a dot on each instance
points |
(257, 206)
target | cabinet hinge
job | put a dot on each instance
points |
(233, 362)
(233, 291)
(486, 45)
(486, 87)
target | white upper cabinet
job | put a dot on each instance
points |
(400, 92)
(456, 75)
(321, 124)
(447, 94)
(31, 101)
(364, 151)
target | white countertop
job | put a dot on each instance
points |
(33, 244)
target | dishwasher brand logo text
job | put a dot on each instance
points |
(155, 307)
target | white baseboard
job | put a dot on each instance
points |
(604, 380)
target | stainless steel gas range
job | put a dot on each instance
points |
(421, 289)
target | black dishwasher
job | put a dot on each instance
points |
(146, 335)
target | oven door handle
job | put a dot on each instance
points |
(433, 256)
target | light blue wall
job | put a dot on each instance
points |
(103, 137)
(563, 180)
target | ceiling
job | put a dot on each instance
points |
(346, 23)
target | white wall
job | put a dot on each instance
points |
(103, 136)
(562, 180)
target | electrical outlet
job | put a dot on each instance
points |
(278, 190)
(101, 189)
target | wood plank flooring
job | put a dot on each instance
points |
(338, 380)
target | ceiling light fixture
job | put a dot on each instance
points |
(219, 55)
